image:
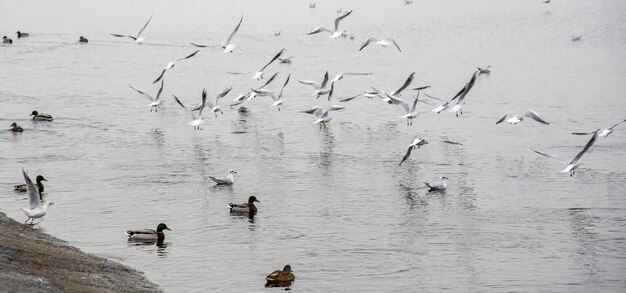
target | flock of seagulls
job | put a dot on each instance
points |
(321, 115)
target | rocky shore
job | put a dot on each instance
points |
(31, 261)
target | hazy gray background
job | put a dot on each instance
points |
(334, 203)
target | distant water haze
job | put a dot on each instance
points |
(334, 204)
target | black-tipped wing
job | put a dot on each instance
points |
(535, 116)
(273, 59)
(338, 19)
(234, 31)
(406, 156)
(190, 55)
(325, 80)
(591, 141)
(367, 42)
(199, 46)
(144, 27)
(407, 82)
(269, 80)
(160, 76)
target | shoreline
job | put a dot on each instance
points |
(33, 261)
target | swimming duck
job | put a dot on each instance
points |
(41, 117)
(16, 128)
(6, 40)
(21, 35)
(23, 187)
(229, 180)
(148, 234)
(244, 207)
(280, 278)
(83, 40)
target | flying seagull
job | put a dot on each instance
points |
(138, 39)
(278, 100)
(321, 115)
(383, 42)
(575, 162)
(514, 119)
(197, 118)
(155, 101)
(336, 33)
(416, 143)
(227, 46)
(171, 65)
(214, 108)
(604, 132)
(320, 88)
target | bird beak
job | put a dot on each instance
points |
(257, 200)
(44, 179)
(168, 229)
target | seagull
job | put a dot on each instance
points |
(574, 163)
(416, 143)
(35, 208)
(321, 115)
(247, 96)
(409, 113)
(278, 101)
(172, 63)
(259, 74)
(514, 119)
(321, 89)
(395, 92)
(229, 180)
(138, 39)
(197, 118)
(383, 42)
(461, 98)
(604, 132)
(334, 33)
(341, 75)
(486, 70)
(214, 108)
(435, 186)
(155, 101)
(227, 45)
(577, 38)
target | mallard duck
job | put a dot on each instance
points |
(280, 278)
(24, 187)
(41, 117)
(6, 40)
(230, 179)
(16, 128)
(244, 207)
(21, 35)
(148, 234)
(83, 40)
(35, 208)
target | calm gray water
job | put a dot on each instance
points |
(334, 202)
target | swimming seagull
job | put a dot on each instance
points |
(155, 101)
(514, 119)
(321, 89)
(227, 46)
(574, 163)
(604, 132)
(437, 186)
(247, 96)
(259, 74)
(321, 115)
(334, 33)
(138, 39)
(229, 180)
(278, 100)
(383, 42)
(214, 108)
(35, 208)
(197, 118)
(172, 63)
(416, 143)
(486, 70)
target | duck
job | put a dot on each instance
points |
(21, 35)
(280, 278)
(6, 40)
(244, 207)
(16, 128)
(24, 187)
(148, 234)
(83, 40)
(41, 117)
(229, 180)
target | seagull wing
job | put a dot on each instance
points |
(269, 80)
(394, 42)
(332, 89)
(124, 36)
(550, 156)
(144, 27)
(160, 76)
(535, 116)
(158, 95)
(400, 102)
(349, 99)
(407, 82)
(264, 92)
(34, 199)
(193, 115)
(273, 59)
(414, 104)
(314, 84)
(611, 128)
(190, 55)
(591, 141)
(505, 117)
(223, 94)
(368, 41)
(280, 95)
(325, 80)
(141, 92)
(338, 19)
(406, 156)
(234, 31)
(319, 29)
(199, 46)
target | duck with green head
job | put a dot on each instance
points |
(41, 116)
(16, 128)
(148, 234)
(248, 208)
(24, 188)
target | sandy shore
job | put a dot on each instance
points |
(32, 261)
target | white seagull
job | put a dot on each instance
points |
(460, 96)
(172, 63)
(138, 39)
(229, 180)
(336, 33)
(214, 108)
(435, 186)
(197, 118)
(604, 132)
(409, 113)
(155, 101)
(416, 143)
(35, 208)
(514, 119)
(278, 100)
(320, 89)
(227, 45)
(574, 163)
(321, 115)
(247, 96)
(383, 42)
